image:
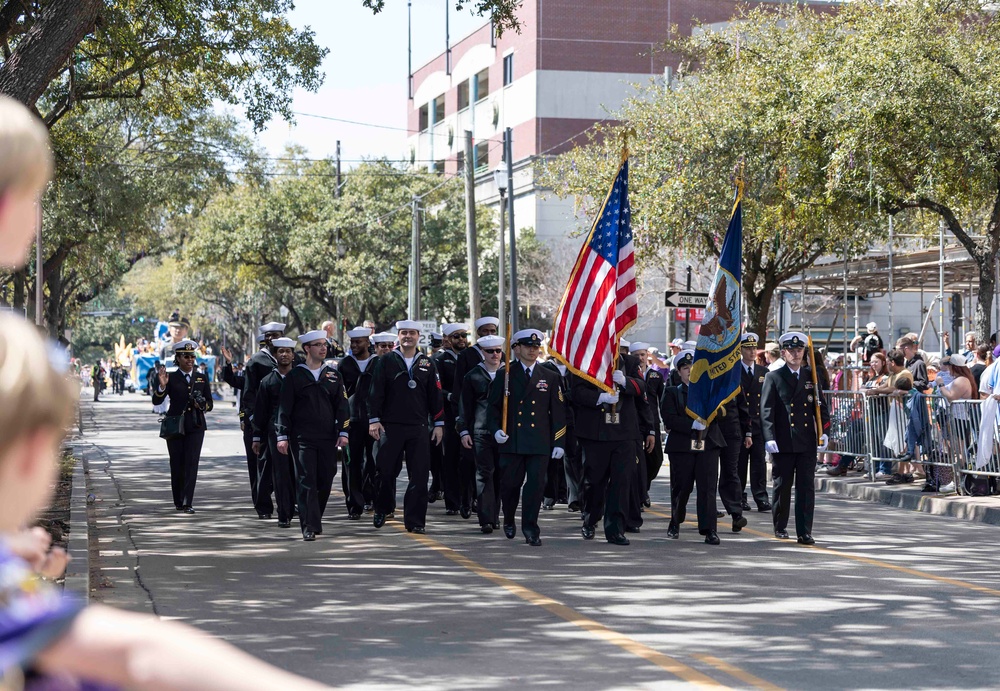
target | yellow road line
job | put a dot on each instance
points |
(630, 645)
(738, 673)
(873, 562)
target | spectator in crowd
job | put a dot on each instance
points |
(970, 345)
(960, 388)
(772, 352)
(333, 347)
(982, 359)
(896, 363)
(877, 407)
(872, 341)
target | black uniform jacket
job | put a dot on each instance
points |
(475, 407)
(265, 410)
(392, 401)
(751, 386)
(311, 411)
(788, 410)
(536, 415)
(258, 366)
(358, 384)
(591, 420)
(564, 386)
(180, 401)
(446, 361)
(654, 392)
(467, 359)
(673, 410)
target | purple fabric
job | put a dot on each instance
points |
(996, 352)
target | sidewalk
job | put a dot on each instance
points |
(909, 496)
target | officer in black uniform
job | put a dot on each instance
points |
(191, 396)
(437, 342)
(264, 419)
(383, 343)
(458, 469)
(313, 417)
(654, 392)
(607, 426)
(474, 421)
(694, 455)
(536, 427)
(788, 424)
(356, 371)
(259, 366)
(571, 470)
(734, 420)
(405, 390)
(752, 456)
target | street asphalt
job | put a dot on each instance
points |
(888, 599)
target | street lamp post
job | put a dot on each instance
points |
(500, 178)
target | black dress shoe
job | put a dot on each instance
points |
(353, 516)
(781, 534)
(587, 531)
(720, 514)
(739, 523)
(548, 507)
(187, 509)
(712, 538)
(432, 497)
(647, 503)
(745, 505)
(672, 531)
(368, 508)
(487, 528)
(418, 529)
(496, 526)
(466, 512)
(534, 541)
(378, 520)
(509, 530)
(179, 508)
(764, 508)
(806, 539)
(618, 539)
(475, 506)
(631, 529)
(284, 524)
(451, 512)
(574, 507)
(308, 535)
(263, 516)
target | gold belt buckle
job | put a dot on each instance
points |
(697, 444)
(612, 418)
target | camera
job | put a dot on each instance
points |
(198, 399)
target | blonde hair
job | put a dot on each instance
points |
(25, 156)
(33, 394)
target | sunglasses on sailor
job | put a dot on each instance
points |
(492, 351)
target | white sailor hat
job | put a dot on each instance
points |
(435, 336)
(483, 321)
(683, 358)
(677, 343)
(490, 341)
(793, 339)
(283, 342)
(690, 345)
(529, 337)
(271, 326)
(185, 346)
(407, 324)
(359, 332)
(310, 336)
(637, 346)
(623, 343)
(384, 337)
(750, 340)
(449, 329)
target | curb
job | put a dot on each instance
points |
(78, 571)
(975, 509)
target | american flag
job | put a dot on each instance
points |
(599, 304)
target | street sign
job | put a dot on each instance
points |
(684, 298)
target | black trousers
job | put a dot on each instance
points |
(800, 469)
(487, 455)
(251, 460)
(635, 469)
(686, 469)
(414, 442)
(573, 468)
(315, 468)
(605, 483)
(282, 470)
(555, 483)
(357, 458)
(529, 470)
(437, 470)
(458, 467)
(730, 491)
(754, 460)
(185, 452)
(265, 482)
(654, 461)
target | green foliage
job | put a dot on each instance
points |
(503, 13)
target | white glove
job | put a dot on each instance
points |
(771, 446)
(697, 425)
(558, 452)
(610, 398)
(500, 436)
(824, 442)
(618, 377)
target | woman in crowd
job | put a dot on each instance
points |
(959, 434)
(877, 408)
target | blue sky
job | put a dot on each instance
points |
(365, 75)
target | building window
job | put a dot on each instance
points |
(463, 95)
(438, 109)
(423, 117)
(482, 152)
(508, 69)
(482, 85)
(438, 166)
(460, 162)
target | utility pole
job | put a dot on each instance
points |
(338, 314)
(413, 308)
(470, 230)
(447, 39)
(509, 157)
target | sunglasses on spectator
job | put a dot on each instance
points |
(492, 351)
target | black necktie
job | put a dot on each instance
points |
(527, 371)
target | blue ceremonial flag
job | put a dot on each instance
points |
(715, 376)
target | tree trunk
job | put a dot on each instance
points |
(55, 305)
(18, 301)
(43, 52)
(759, 308)
(984, 300)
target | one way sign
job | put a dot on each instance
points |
(682, 298)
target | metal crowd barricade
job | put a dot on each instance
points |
(885, 430)
(967, 433)
(930, 426)
(847, 426)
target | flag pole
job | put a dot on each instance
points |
(506, 380)
(817, 393)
